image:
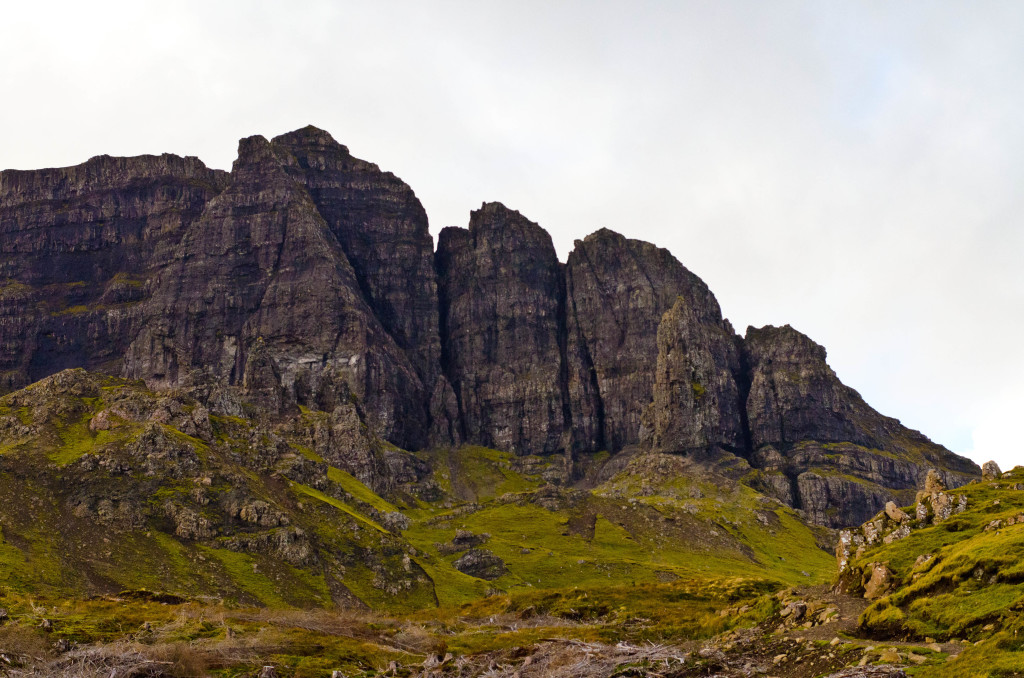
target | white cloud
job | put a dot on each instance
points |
(996, 432)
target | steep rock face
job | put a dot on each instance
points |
(696, 401)
(262, 269)
(795, 395)
(501, 295)
(618, 290)
(306, 277)
(77, 248)
(382, 227)
(843, 460)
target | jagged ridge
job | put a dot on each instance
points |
(308, 278)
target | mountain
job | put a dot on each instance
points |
(305, 281)
(253, 423)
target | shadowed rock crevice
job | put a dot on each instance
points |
(743, 380)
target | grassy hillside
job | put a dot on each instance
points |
(959, 580)
(143, 525)
(119, 488)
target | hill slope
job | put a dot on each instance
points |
(950, 569)
(122, 488)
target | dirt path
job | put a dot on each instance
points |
(845, 625)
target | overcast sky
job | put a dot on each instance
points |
(854, 169)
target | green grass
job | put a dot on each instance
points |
(243, 570)
(77, 440)
(336, 503)
(15, 570)
(480, 473)
(629, 531)
(976, 577)
(351, 484)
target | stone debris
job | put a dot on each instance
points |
(934, 505)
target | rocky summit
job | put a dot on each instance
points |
(232, 396)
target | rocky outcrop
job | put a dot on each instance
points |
(933, 505)
(78, 246)
(618, 290)
(795, 395)
(306, 280)
(151, 474)
(843, 459)
(696, 402)
(501, 294)
(261, 276)
(879, 582)
(382, 228)
(481, 563)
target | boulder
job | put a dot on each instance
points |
(481, 563)
(895, 513)
(990, 471)
(934, 483)
(880, 581)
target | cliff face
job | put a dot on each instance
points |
(307, 278)
(696, 400)
(502, 294)
(821, 445)
(262, 267)
(78, 246)
(618, 290)
(382, 228)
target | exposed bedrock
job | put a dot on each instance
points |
(618, 290)
(382, 228)
(307, 277)
(696, 402)
(501, 299)
(261, 268)
(842, 459)
(77, 248)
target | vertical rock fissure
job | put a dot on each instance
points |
(562, 330)
(443, 305)
(743, 380)
(794, 490)
(603, 437)
(587, 365)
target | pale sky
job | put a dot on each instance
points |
(854, 169)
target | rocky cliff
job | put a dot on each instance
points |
(502, 300)
(305, 280)
(696, 402)
(820, 445)
(618, 290)
(78, 246)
